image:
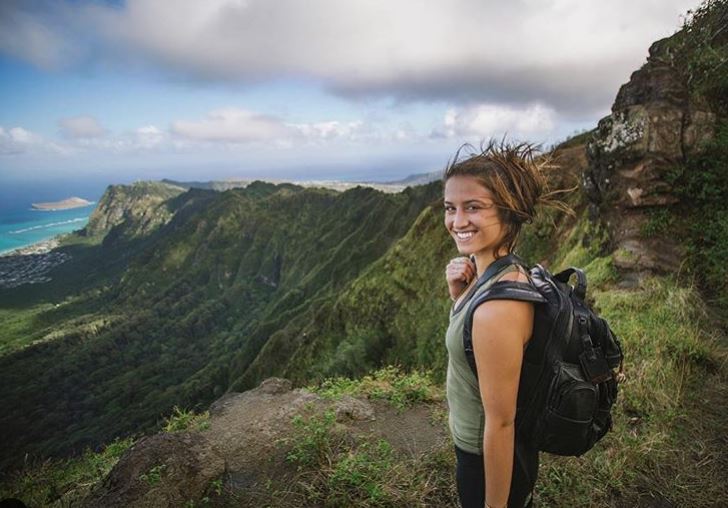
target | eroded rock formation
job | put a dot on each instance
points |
(655, 123)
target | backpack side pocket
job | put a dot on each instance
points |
(566, 426)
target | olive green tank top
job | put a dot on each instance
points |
(466, 416)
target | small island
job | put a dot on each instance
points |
(64, 204)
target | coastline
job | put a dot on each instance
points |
(42, 247)
(27, 232)
(31, 264)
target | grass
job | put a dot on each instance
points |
(55, 482)
(338, 469)
(183, 420)
(154, 475)
(659, 222)
(390, 384)
(314, 439)
(665, 443)
(673, 364)
(701, 183)
(19, 326)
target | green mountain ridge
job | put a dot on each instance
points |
(209, 285)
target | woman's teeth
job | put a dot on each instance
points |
(466, 235)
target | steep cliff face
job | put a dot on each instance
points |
(141, 206)
(655, 123)
(644, 159)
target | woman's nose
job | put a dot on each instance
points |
(460, 220)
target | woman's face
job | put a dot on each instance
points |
(471, 216)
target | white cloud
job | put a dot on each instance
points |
(22, 142)
(17, 141)
(241, 126)
(150, 136)
(22, 136)
(332, 130)
(41, 33)
(231, 128)
(493, 120)
(569, 54)
(81, 127)
(232, 125)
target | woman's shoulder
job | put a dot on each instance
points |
(516, 274)
(515, 277)
(507, 308)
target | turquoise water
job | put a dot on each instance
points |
(25, 227)
(21, 226)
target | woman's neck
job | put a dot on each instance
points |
(484, 259)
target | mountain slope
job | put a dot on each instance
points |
(211, 284)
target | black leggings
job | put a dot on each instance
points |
(470, 475)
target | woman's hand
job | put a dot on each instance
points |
(459, 272)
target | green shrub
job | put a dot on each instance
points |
(154, 475)
(658, 223)
(313, 439)
(389, 383)
(338, 469)
(182, 419)
(362, 474)
(702, 185)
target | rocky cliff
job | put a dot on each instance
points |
(667, 112)
(141, 205)
(653, 124)
(260, 448)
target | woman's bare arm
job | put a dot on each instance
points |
(500, 330)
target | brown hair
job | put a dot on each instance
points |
(513, 173)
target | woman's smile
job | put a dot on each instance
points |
(464, 236)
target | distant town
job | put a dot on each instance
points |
(30, 265)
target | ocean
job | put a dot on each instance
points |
(21, 226)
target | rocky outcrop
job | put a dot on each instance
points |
(655, 123)
(240, 458)
(140, 207)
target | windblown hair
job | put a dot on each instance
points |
(514, 174)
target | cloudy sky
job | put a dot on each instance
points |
(349, 89)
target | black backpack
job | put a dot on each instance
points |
(567, 385)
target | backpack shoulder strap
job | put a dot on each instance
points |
(504, 290)
(493, 269)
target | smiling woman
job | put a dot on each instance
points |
(488, 197)
(471, 217)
